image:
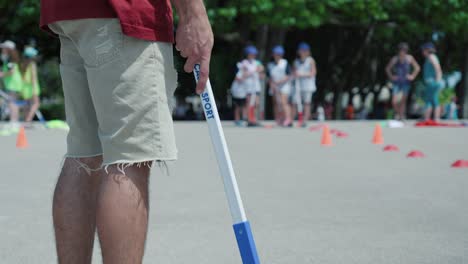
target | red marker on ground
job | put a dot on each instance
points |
(415, 154)
(460, 164)
(391, 148)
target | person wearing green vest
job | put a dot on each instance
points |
(31, 88)
(11, 76)
(432, 75)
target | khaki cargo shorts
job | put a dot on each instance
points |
(116, 90)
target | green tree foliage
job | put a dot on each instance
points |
(347, 36)
(19, 16)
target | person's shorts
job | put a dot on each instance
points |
(239, 102)
(431, 97)
(307, 88)
(12, 96)
(400, 88)
(117, 90)
(285, 89)
(306, 97)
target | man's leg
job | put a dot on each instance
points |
(122, 214)
(135, 125)
(74, 209)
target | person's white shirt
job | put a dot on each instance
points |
(238, 89)
(307, 84)
(252, 81)
(277, 72)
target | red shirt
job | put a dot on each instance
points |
(144, 19)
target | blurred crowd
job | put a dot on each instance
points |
(20, 82)
(292, 85)
(288, 85)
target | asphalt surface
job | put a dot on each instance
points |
(348, 203)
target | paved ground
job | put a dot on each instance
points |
(350, 203)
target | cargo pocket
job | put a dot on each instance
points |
(103, 45)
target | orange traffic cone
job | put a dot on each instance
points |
(251, 115)
(378, 137)
(326, 136)
(21, 141)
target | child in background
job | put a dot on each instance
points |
(278, 71)
(239, 95)
(432, 75)
(31, 88)
(11, 78)
(451, 109)
(402, 69)
(251, 71)
(304, 72)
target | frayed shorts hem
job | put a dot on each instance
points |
(121, 164)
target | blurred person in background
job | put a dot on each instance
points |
(239, 94)
(251, 73)
(402, 69)
(305, 72)
(432, 75)
(11, 78)
(278, 72)
(31, 88)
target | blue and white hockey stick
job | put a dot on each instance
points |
(245, 240)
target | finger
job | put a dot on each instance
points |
(184, 54)
(189, 64)
(204, 73)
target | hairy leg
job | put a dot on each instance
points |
(74, 210)
(122, 214)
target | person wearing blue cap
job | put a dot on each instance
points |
(304, 72)
(31, 89)
(252, 70)
(432, 75)
(278, 73)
